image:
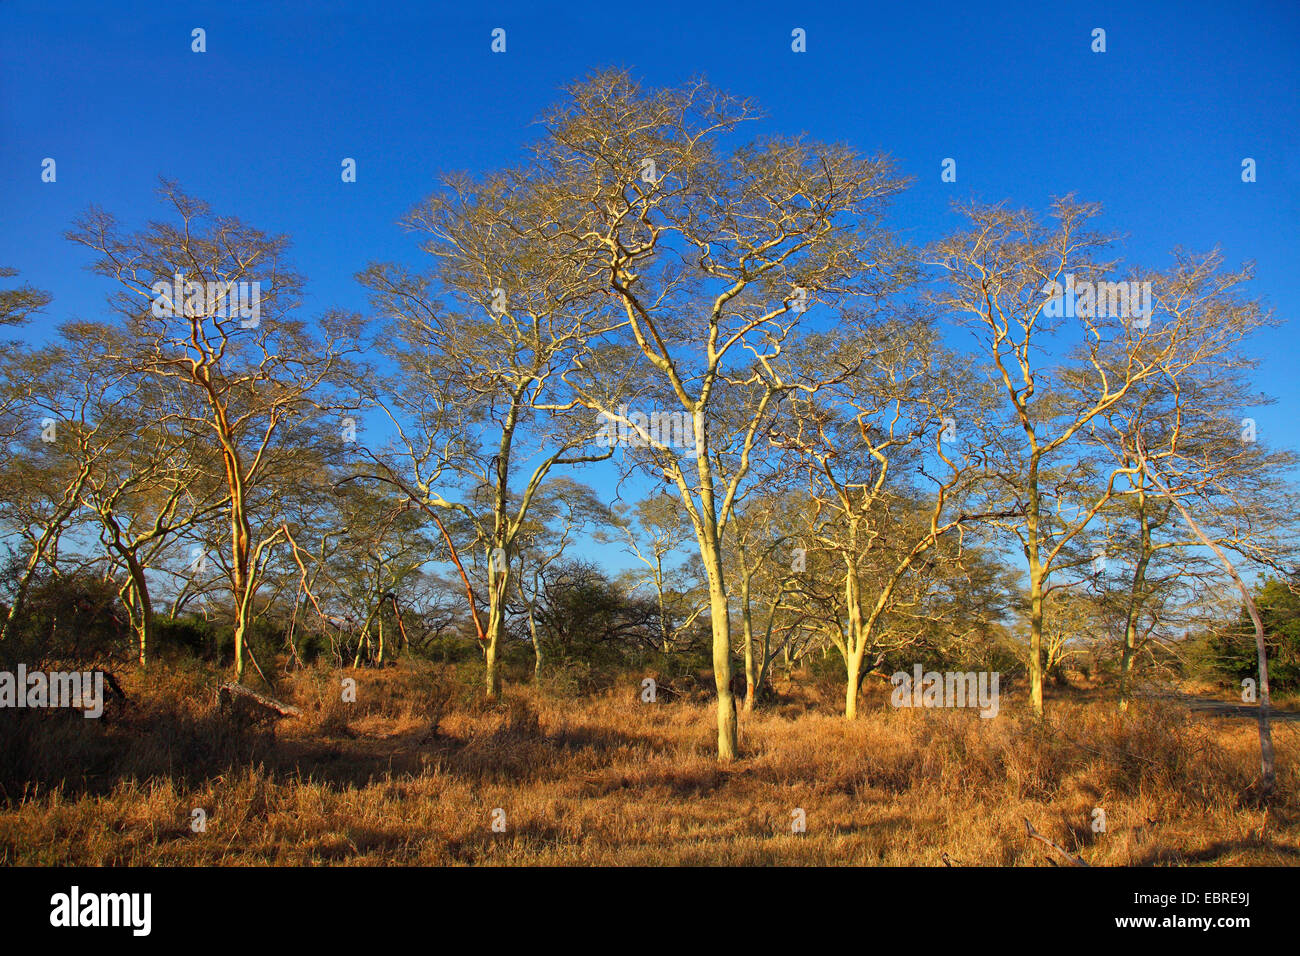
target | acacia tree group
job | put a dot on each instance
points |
(863, 432)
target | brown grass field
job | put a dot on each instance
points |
(412, 772)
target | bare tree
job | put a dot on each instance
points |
(1027, 291)
(655, 531)
(207, 304)
(861, 442)
(1267, 768)
(563, 510)
(1192, 430)
(477, 405)
(706, 263)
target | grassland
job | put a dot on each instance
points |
(412, 772)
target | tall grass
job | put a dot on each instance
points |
(413, 770)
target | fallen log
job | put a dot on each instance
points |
(237, 697)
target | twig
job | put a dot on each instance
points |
(1074, 860)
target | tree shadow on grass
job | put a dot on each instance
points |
(1213, 853)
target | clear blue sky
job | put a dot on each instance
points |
(1155, 128)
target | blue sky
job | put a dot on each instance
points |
(1155, 128)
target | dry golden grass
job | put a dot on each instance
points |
(412, 772)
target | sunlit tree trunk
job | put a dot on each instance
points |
(142, 609)
(721, 624)
(728, 744)
(747, 624)
(1036, 576)
(537, 647)
(854, 638)
(495, 633)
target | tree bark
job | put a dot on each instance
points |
(495, 631)
(1035, 595)
(728, 744)
(747, 625)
